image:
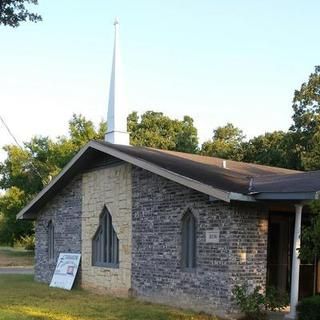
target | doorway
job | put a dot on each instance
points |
(280, 241)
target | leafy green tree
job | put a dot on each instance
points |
(227, 143)
(310, 236)
(306, 121)
(306, 105)
(187, 137)
(274, 149)
(30, 168)
(310, 160)
(13, 12)
(156, 130)
(10, 229)
(21, 169)
(82, 130)
(27, 170)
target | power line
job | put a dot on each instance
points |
(10, 132)
(19, 145)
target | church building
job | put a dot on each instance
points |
(170, 227)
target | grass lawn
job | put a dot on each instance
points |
(22, 298)
(10, 257)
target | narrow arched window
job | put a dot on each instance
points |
(188, 241)
(50, 241)
(105, 243)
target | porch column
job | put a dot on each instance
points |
(294, 294)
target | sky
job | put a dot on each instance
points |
(217, 61)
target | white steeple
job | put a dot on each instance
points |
(117, 111)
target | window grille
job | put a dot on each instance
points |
(105, 243)
(188, 241)
(51, 241)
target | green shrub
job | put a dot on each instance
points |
(26, 242)
(251, 304)
(276, 300)
(254, 304)
(309, 308)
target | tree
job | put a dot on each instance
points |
(10, 228)
(226, 143)
(306, 105)
(30, 168)
(13, 12)
(274, 149)
(82, 130)
(306, 121)
(187, 137)
(310, 236)
(306, 136)
(310, 159)
(27, 170)
(156, 130)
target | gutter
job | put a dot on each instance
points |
(312, 195)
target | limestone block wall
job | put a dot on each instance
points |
(111, 187)
(158, 206)
(64, 210)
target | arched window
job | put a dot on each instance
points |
(188, 241)
(50, 241)
(105, 243)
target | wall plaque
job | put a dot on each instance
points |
(213, 236)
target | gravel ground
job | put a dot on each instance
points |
(16, 270)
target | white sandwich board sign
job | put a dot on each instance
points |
(66, 270)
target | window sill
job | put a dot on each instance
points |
(106, 265)
(189, 270)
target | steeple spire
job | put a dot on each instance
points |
(117, 111)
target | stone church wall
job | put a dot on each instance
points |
(110, 187)
(64, 210)
(240, 256)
